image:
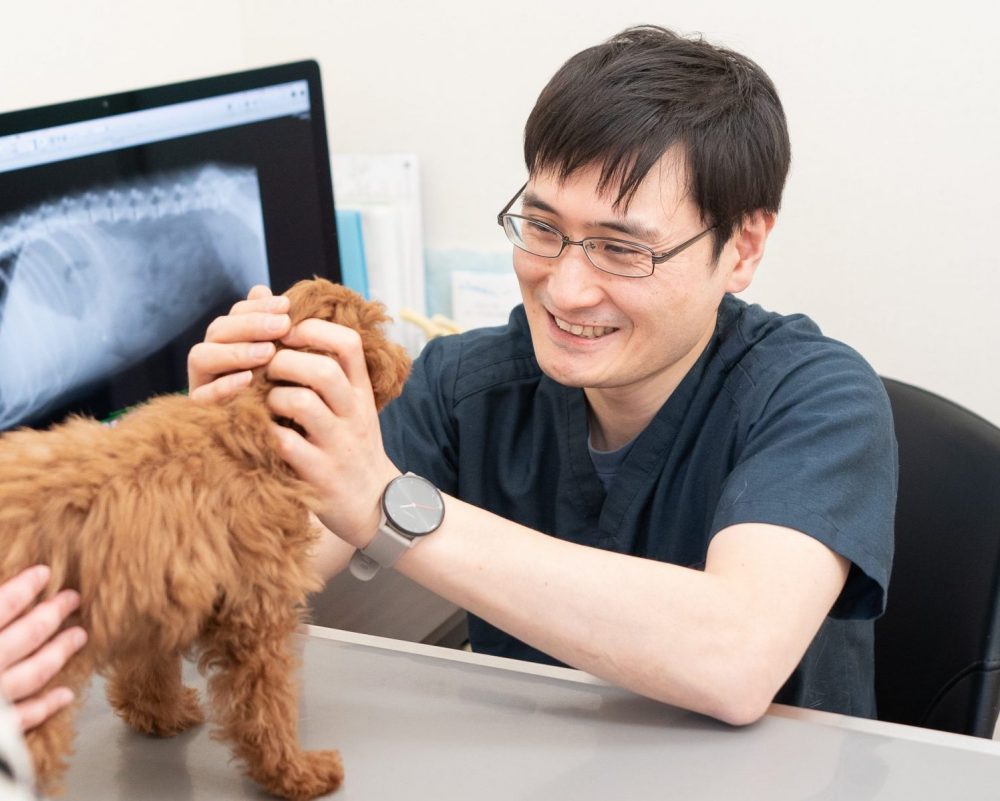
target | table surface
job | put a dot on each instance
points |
(417, 721)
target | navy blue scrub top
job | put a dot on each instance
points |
(775, 423)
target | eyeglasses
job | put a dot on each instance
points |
(607, 254)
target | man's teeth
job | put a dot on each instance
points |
(586, 331)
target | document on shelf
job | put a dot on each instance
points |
(480, 299)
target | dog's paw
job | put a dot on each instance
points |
(163, 719)
(312, 774)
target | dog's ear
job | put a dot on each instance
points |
(388, 368)
(388, 364)
(319, 298)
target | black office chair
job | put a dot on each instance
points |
(937, 648)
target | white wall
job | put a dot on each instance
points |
(887, 233)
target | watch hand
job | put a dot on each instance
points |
(417, 506)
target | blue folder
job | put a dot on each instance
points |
(353, 268)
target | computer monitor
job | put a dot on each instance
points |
(128, 222)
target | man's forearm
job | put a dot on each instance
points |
(696, 639)
(330, 554)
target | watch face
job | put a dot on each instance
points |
(413, 505)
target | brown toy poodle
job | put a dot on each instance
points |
(184, 533)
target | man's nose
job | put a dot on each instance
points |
(573, 280)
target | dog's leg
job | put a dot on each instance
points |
(147, 693)
(255, 703)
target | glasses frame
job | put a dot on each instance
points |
(655, 258)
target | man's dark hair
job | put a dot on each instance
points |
(624, 103)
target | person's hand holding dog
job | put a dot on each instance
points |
(333, 403)
(235, 344)
(342, 455)
(31, 652)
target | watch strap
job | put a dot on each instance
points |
(385, 548)
(363, 567)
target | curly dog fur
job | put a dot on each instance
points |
(184, 533)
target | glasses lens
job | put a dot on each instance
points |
(619, 258)
(533, 236)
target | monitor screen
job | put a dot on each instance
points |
(128, 222)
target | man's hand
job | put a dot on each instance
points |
(330, 397)
(29, 653)
(235, 344)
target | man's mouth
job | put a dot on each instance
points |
(585, 331)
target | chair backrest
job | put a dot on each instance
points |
(937, 648)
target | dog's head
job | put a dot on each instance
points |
(388, 364)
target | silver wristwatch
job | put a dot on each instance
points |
(412, 508)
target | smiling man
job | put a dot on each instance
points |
(640, 475)
(627, 343)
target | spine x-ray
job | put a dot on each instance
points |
(93, 282)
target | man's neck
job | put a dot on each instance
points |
(616, 421)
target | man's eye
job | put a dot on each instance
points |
(538, 229)
(616, 249)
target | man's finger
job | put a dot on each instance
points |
(303, 457)
(209, 361)
(306, 408)
(257, 326)
(260, 299)
(222, 388)
(321, 373)
(337, 340)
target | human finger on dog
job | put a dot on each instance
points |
(235, 344)
(343, 343)
(258, 293)
(249, 326)
(217, 371)
(334, 413)
(325, 376)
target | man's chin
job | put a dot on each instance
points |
(566, 375)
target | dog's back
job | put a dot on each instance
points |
(149, 519)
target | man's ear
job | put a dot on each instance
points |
(749, 241)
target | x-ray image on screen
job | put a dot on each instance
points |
(130, 221)
(99, 279)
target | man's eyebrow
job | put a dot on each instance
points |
(533, 200)
(631, 228)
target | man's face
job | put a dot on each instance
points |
(631, 339)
